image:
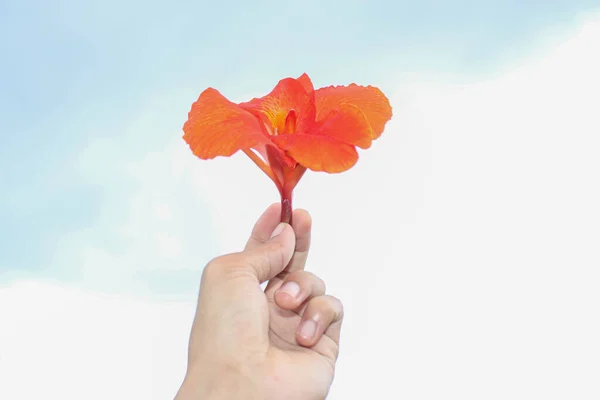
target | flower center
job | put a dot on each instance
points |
(290, 123)
(281, 125)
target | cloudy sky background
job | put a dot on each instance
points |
(464, 244)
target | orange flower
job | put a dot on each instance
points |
(289, 130)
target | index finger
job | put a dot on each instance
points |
(302, 224)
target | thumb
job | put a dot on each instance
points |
(264, 261)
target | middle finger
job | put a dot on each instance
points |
(296, 289)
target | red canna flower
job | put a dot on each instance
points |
(289, 130)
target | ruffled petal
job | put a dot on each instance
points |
(306, 82)
(318, 152)
(369, 99)
(219, 127)
(348, 124)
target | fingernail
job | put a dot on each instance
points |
(308, 329)
(291, 288)
(278, 229)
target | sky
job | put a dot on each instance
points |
(464, 244)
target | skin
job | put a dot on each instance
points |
(280, 343)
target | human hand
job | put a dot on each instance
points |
(280, 343)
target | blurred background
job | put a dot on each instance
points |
(464, 244)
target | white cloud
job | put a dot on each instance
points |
(63, 343)
(464, 246)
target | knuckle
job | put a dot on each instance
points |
(218, 266)
(211, 269)
(260, 262)
(320, 283)
(317, 283)
(337, 306)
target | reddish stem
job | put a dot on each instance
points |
(286, 205)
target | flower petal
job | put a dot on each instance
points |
(273, 109)
(348, 124)
(369, 99)
(318, 152)
(306, 82)
(218, 127)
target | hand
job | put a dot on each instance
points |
(280, 343)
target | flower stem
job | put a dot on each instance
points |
(286, 205)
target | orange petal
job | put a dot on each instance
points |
(273, 109)
(348, 124)
(218, 127)
(318, 152)
(306, 82)
(369, 99)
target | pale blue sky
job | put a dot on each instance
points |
(72, 72)
(472, 221)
